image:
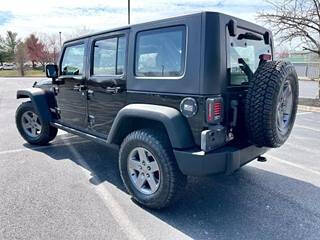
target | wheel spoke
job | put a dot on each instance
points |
(287, 93)
(133, 164)
(34, 131)
(279, 117)
(35, 117)
(140, 180)
(142, 155)
(37, 126)
(152, 183)
(285, 117)
(154, 166)
(27, 125)
(27, 117)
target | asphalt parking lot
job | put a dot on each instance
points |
(71, 189)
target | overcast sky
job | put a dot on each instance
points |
(53, 16)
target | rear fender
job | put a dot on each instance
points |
(175, 124)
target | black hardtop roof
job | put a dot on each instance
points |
(154, 22)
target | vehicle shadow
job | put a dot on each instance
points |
(250, 204)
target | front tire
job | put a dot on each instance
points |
(149, 170)
(31, 127)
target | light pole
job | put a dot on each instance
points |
(60, 40)
(128, 11)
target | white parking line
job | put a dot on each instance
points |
(131, 231)
(61, 132)
(293, 164)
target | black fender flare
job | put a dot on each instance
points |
(177, 127)
(42, 101)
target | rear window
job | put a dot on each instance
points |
(109, 56)
(161, 52)
(247, 49)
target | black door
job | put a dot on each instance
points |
(106, 81)
(71, 94)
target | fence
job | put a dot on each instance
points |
(310, 70)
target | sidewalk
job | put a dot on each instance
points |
(309, 104)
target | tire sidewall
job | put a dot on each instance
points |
(291, 76)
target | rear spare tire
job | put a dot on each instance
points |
(271, 103)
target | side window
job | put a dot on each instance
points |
(161, 52)
(109, 56)
(72, 62)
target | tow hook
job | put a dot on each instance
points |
(261, 159)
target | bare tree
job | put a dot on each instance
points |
(21, 57)
(51, 47)
(52, 43)
(78, 32)
(295, 20)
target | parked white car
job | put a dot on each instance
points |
(9, 66)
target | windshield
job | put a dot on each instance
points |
(243, 51)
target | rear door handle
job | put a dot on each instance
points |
(113, 90)
(79, 87)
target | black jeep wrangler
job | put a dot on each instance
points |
(192, 95)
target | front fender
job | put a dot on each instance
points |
(175, 124)
(42, 101)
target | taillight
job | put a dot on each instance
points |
(265, 57)
(214, 110)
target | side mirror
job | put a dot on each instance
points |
(52, 71)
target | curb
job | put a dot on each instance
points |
(308, 108)
(308, 79)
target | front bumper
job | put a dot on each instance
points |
(223, 160)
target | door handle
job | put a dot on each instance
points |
(90, 94)
(113, 90)
(79, 87)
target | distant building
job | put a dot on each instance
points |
(307, 64)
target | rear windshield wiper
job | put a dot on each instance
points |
(250, 36)
(245, 68)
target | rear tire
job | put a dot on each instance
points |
(168, 181)
(271, 103)
(31, 127)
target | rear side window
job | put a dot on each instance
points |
(109, 56)
(161, 52)
(72, 62)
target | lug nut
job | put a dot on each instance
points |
(148, 175)
(149, 168)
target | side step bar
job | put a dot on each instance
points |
(79, 133)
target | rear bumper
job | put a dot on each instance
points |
(224, 160)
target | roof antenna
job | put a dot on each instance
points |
(129, 12)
